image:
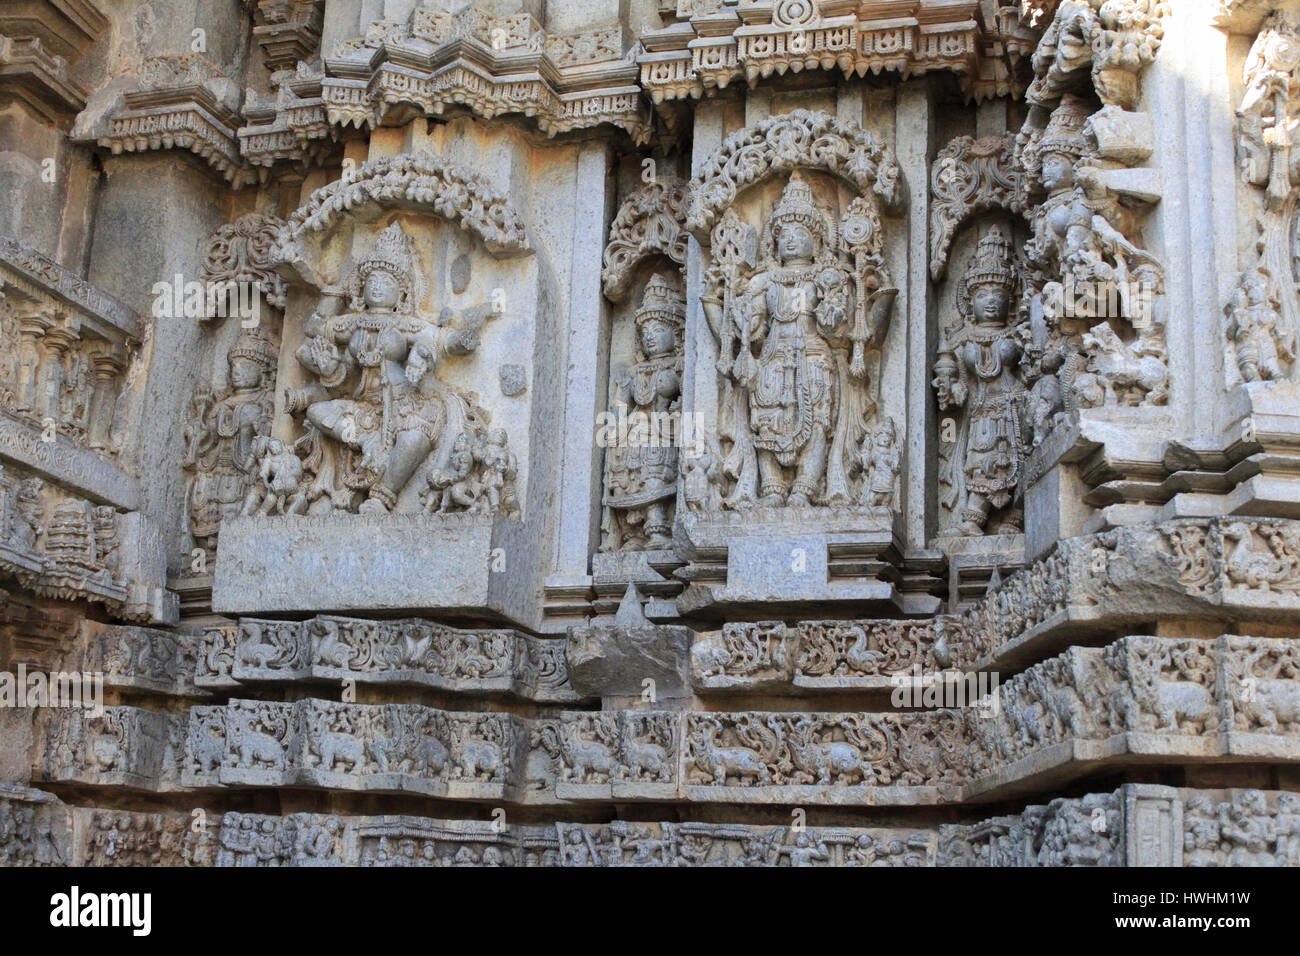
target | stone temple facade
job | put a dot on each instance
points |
(653, 432)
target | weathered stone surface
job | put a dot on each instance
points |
(636, 419)
(617, 660)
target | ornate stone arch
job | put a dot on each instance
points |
(799, 139)
(649, 223)
(969, 176)
(413, 182)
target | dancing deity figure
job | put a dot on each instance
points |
(377, 411)
(1264, 353)
(977, 368)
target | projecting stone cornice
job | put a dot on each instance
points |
(491, 65)
(39, 278)
(716, 45)
(66, 28)
(1221, 571)
(1134, 825)
(31, 75)
(175, 102)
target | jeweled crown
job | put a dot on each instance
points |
(662, 301)
(798, 205)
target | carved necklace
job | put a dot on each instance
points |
(989, 364)
(785, 275)
(983, 334)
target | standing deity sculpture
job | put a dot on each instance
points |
(977, 369)
(1264, 352)
(641, 473)
(881, 458)
(222, 434)
(1269, 321)
(795, 403)
(377, 411)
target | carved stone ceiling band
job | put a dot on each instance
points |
(491, 65)
(508, 65)
(717, 44)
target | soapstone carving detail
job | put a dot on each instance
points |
(377, 410)
(223, 435)
(977, 371)
(641, 472)
(793, 321)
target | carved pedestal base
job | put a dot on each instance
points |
(791, 557)
(468, 563)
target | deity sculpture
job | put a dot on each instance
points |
(457, 485)
(881, 458)
(1263, 352)
(641, 473)
(795, 403)
(1082, 268)
(279, 480)
(1080, 229)
(1270, 163)
(27, 522)
(377, 412)
(977, 368)
(220, 438)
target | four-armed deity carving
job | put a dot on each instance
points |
(377, 412)
(222, 440)
(641, 474)
(792, 332)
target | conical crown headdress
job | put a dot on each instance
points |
(991, 265)
(662, 301)
(1064, 133)
(252, 345)
(392, 254)
(798, 205)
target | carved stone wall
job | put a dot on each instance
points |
(793, 433)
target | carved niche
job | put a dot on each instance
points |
(644, 439)
(58, 545)
(63, 351)
(798, 300)
(1263, 316)
(978, 381)
(379, 422)
(226, 429)
(229, 417)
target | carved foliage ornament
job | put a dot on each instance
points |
(649, 223)
(969, 176)
(416, 181)
(781, 144)
(243, 251)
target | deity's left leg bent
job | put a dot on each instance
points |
(410, 449)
